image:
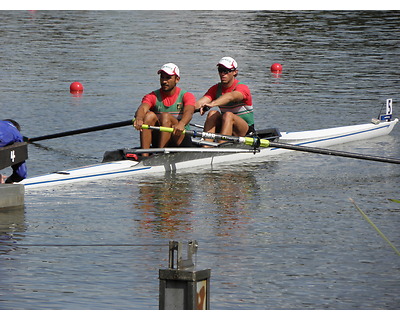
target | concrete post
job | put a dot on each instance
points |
(11, 195)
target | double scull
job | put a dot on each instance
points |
(126, 162)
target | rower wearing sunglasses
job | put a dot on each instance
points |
(233, 98)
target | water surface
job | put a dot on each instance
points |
(277, 235)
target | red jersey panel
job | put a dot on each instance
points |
(151, 98)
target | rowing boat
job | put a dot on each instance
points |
(126, 162)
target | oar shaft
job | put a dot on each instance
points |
(207, 135)
(255, 142)
(375, 227)
(84, 130)
(333, 152)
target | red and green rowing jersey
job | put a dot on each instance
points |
(160, 102)
(243, 109)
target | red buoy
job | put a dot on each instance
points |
(276, 67)
(76, 87)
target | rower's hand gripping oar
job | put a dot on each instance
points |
(79, 131)
(257, 142)
(250, 141)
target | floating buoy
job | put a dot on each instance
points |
(76, 87)
(276, 67)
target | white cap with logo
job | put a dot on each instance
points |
(228, 63)
(170, 68)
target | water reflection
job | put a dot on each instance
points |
(12, 227)
(182, 203)
(164, 204)
(230, 199)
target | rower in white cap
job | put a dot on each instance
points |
(233, 98)
(169, 106)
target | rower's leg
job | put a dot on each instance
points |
(165, 120)
(150, 119)
(213, 122)
(233, 125)
(169, 139)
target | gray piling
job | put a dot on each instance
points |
(11, 195)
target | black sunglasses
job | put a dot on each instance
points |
(225, 70)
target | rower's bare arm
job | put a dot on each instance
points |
(187, 114)
(234, 96)
(200, 104)
(186, 117)
(140, 114)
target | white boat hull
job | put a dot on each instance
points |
(315, 138)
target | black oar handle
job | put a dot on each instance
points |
(204, 108)
(79, 131)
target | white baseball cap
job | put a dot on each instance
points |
(170, 68)
(228, 63)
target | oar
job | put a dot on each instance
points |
(374, 226)
(79, 131)
(90, 129)
(257, 142)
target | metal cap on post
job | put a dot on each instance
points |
(181, 286)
